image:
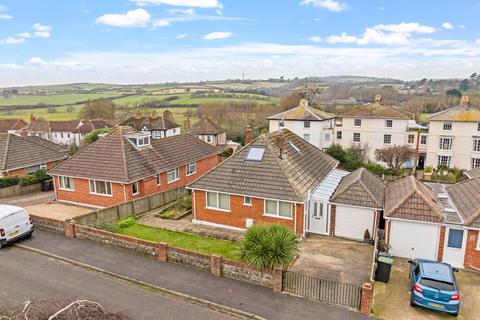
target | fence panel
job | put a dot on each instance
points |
(314, 288)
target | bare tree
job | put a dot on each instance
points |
(310, 90)
(416, 106)
(395, 157)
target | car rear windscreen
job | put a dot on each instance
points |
(436, 284)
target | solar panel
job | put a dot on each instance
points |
(255, 154)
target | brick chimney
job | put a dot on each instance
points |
(248, 134)
(186, 122)
(31, 118)
(378, 98)
(465, 102)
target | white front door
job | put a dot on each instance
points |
(318, 217)
(454, 250)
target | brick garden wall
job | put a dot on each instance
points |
(51, 225)
(239, 213)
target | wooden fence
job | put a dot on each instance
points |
(314, 288)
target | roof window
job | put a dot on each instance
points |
(255, 154)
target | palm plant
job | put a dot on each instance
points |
(267, 246)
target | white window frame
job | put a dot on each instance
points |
(447, 126)
(37, 167)
(217, 207)
(384, 139)
(176, 173)
(136, 184)
(159, 179)
(306, 124)
(388, 121)
(188, 171)
(339, 135)
(445, 146)
(93, 182)
(142, 142)
(359, 137)
(62, 185)
(447, 157)
(355, 122)
(277, 215)
(478, 242)
(475, 163)
(413, 138)
(306, 137)
(209, 139)
(423, 139)
(476, 144)
(247, 203)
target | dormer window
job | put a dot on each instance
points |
(139, 140)
(143, 142)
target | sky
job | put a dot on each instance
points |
(155, 41)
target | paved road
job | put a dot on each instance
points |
(29, 199)
(26, 275)
(236, 294)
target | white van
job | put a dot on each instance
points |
(15, 223)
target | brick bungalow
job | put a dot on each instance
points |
(11, 125)
(20, 156)
(434, 221)
(127, 164)
(268, 181)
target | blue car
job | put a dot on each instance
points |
(433, 286)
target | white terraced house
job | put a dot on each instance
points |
(313, 125)
(454, 137)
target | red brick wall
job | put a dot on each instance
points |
(239, 213)
(333, 215)
(472, 255)
(441, 244)
(22, 172)
(148, 186)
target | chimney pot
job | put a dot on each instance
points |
(465, 101)
(378, 98)
(248, 134)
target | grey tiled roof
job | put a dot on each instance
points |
(300, 169)
(114, 158)
(410, 199)
(302, 113)
(206, 126)
(20, 152)
(474, 173)
(360, 188)
(466, 197)
(158, 123)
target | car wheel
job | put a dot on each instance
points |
(1, 245)
(455, 314)
(412, 304)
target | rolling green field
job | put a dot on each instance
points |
(58, 99)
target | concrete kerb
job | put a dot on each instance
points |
(179, 295)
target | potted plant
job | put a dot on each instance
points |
(427, 174)
(366, 236)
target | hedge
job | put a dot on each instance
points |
(39, 176)
(8, 181)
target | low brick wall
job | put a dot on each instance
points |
(18, 190)
(48, 224)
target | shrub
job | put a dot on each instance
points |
(377, 169)
(428, 169)
(336, 151)
(8, 181)
(36, 177)
(127, 222)
(267, 246)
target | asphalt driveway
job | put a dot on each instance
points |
(335, 259)
(392, 301)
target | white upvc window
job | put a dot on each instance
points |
(209, 139)
(478, 241)
(476, 144)
(411, 138)
(357, 122)
(33, 169)
(444, 160)
(387, 139)
(173, 175)
(278, 209)
(356, 137)
(306, 124)
(388, 123)
(159, 180)
(445, 143)
(218, 201)
(423, 139)
(306, 137)
(99, 187)
(135, 188)
(247, 201)
(447, 126)
(65, 183)
(191, 168)
(475, 163)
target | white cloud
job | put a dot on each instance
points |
(219, 12)
(37, 61)
(326, 4)
(41, 30)
(161, 23)
(343, 38)
(378, 37)
(447, 25)
(3, 15)
(133, 18)
(11, 40)
(182, 36)
(183, 3)
(24, 35)
(181, 11)
(217, 35)
(315, 39)
(411, 27)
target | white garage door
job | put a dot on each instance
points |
(351, 222)
(414, 240)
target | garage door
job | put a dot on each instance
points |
(414, 240)
(351, 222)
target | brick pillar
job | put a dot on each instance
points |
(441, 243)
(162, 252)
(248, 135)
(216, 265)
(277, 279)
(333, 212)
(69, 229)
(367, 295)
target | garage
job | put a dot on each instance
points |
(351, 222)
(413, 239)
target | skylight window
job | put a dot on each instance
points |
(255, 154)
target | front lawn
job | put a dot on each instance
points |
(182, 240)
